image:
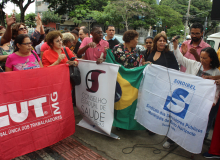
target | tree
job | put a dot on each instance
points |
(123, 11)
(127, 9)
(30, 19)
(22, 8)
(2, 13)
(63, 6)
(18, 17)
(107, 16)
(97, 5)
(175, 30)
(50, 16)
(168, 16)
(80, 13)
(199, 10)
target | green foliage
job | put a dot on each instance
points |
(96, 5)
(175, 30)
(108, 16)
(80, 13)
(63, 6)
(168, 16)
(126, 11)
(18, 17)
(199, 9)
(50, 16)
(30, 19)
(23, 5)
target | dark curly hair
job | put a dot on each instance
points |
(19, 40)
(15, 29)
(156, 38)
(129, 35)
(51, 36)
(213, 55)
(197, 25)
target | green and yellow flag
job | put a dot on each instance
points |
(128, 82)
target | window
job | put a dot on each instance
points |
(211, 43)
(38, 3)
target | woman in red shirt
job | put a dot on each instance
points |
(55, 54)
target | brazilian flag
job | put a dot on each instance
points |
(128, 82)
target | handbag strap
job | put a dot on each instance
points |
(66, 53)
(34, 54)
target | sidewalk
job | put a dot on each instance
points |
(88, 145)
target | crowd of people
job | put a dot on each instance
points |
(46, 47)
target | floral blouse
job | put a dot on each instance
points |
(125, 57)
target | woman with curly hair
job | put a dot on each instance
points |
(55, 55)
(127, 54)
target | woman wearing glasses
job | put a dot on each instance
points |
(55, 54)
(24, 57)
(36, 37)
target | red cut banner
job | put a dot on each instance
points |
(36, 110)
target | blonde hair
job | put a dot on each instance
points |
(68, 37)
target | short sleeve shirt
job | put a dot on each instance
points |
(50, 56)
(94, 53)
(125, 57)
(16, 62)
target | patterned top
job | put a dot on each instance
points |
(7, 52)
(125, 57)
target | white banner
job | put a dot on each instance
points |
(177, 104)
(95, 95)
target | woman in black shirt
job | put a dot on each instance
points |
(160, 53)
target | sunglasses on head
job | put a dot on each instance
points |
(24, 28)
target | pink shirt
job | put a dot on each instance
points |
(44, 47)
(188, 55)
(16, 62)
(94, 53)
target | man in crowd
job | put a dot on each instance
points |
(195, 45)
(95, 46)
(110, 37)
(83, 33)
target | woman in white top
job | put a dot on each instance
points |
(208, 66)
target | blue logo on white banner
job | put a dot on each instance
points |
(179, 102)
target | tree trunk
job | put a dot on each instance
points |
(126, 25)
(22, 12)
(2, 19)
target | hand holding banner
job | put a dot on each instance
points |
(177, 103)
(35, 110)
(95, 95)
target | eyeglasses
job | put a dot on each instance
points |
(195, 34)
(21, 29)
(111, 30)
(58, 41)
(27, 44)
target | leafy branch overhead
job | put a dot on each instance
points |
(22, 7)
(126, 11)
(50, 16)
